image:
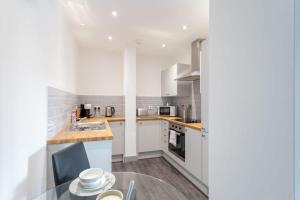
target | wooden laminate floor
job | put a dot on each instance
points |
(160, 168)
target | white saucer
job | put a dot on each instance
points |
(77, 190)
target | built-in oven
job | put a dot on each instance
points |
(177, 140)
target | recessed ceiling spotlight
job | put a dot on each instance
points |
(114, 13)
(82, 24)
(184, 27)
(109, 38)
(163, 45)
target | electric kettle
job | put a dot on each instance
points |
(109, 111)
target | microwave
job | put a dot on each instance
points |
(167, 110)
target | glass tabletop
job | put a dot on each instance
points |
(145, 188)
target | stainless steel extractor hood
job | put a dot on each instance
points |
(194, 73)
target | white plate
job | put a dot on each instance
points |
(77, 190)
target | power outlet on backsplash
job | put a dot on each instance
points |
(97, 111)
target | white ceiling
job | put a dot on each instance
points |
(149, 22)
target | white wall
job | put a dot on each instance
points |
(297, 102)
(36, 51)
(149, 74)
(99, 73)
(251, 99)
(62, 68)
(27, 29)
(184, 55)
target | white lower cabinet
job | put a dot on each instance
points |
(196, 154)
(149, 137)
(164, 128)
(118, 142)
(193, 152)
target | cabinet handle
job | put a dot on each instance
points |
(204, 133)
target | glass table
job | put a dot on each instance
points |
(145, 188)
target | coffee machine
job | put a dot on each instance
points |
(85, 110)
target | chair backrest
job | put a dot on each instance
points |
(69, 162)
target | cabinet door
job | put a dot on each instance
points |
(164, 83)
(193, 152)
(164, 135)
(205, 158)
(172, 83)
(118, 142)
(149, 138)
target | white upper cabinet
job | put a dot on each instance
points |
(164, 82)
(170, 86)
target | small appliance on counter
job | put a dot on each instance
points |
(109, 111)
(141, 111)
(167, 110)
(149, 111)
(85, 110)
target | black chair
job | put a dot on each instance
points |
(69, 162)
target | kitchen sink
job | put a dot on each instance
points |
(88, 126)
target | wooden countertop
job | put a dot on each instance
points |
(86, 136)
(82, 136)
(173, 120)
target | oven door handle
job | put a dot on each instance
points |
(177, 133)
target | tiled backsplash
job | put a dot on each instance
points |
(194, 99)
(144, 102)
(103, 101)
(61, 103)
(60, 106)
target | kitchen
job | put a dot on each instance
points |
(116, 100)
(166, 104)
